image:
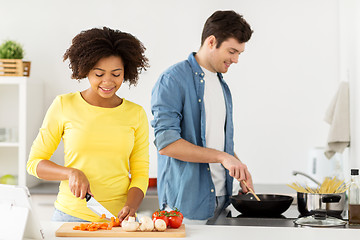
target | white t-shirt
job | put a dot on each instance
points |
(215, 114)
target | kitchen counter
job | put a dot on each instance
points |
(253, 228)
(237, 232)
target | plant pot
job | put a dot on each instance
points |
(14, 67)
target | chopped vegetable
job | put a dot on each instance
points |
(96, 226)
(160, 221)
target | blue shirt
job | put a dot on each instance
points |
(178, 110)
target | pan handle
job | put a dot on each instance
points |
(320, 214)
(332, 198)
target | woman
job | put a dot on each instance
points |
(105, 137)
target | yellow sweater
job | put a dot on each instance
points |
(107, 144)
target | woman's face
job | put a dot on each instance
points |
(107, 76)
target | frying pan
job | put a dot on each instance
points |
(270, 204)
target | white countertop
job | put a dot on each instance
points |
(238, 232)
(220, 232)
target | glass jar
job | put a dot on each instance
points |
(354, 197)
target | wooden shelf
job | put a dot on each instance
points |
(9, 144)
(12, 80)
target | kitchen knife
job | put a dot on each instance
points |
(96, 207)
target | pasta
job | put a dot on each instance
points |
(329, 185)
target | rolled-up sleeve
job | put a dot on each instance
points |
(166, 107)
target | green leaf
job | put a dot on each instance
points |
(11, 50)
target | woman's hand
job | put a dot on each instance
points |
(134, 198)
(79, 184)
(126, 212)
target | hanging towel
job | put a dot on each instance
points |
(338, 116)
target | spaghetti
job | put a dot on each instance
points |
(329, 185)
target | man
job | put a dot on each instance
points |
(193, 123)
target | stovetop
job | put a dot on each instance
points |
(231, 217)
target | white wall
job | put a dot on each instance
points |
(349, 69)
(281, 86)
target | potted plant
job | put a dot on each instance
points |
(11, 50)
(11, 64)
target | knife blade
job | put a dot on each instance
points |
(96, 207)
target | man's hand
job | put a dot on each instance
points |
(186, 151)
(249, 184)
(238, 170)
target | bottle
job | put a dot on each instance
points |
(354, 197)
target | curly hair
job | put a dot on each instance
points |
(226, 24)
(89, 46)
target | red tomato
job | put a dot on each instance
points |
(175, 221)
(156, 214)
(159, 213)
(163, 212)
(177, 213)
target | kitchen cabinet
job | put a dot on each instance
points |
(21, 113)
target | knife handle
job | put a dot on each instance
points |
(87, 197)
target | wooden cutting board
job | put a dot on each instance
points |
(66, 230)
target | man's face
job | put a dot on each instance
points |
(228, 53)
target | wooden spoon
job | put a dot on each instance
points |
(252, 192)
